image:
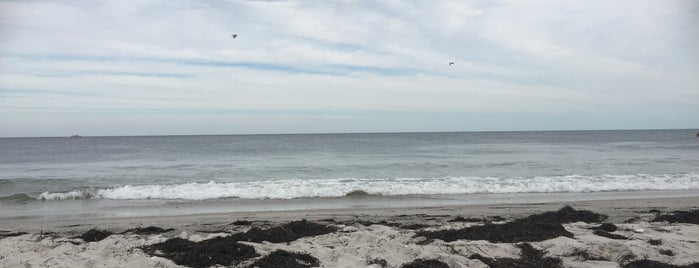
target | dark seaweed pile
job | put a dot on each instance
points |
(95, 235)
(680, 216)
(286, 259)
(530, 257)
(423, 263)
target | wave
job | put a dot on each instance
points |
(350, 187)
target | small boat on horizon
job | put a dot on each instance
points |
(76, 136)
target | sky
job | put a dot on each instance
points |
(171, 67)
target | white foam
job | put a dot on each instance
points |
(297, 188)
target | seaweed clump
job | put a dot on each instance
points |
(284, 233)
(566, 215)
(148, 230)
(227, 251)
(536, 227)
(425, 263)
(220, 250)
(282, 258)
(6, 235)
(680, 217)
(610, 235)
(530, 257)
(510, 232)
(95, 235)
(657, 264)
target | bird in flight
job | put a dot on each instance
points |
(234, 36)
(451, 63)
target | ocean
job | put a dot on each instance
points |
(65, 177)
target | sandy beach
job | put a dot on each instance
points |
(506, 235)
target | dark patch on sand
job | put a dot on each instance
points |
(607, 227)
(566, 215)
(462, 219)
(6, 234)
(286, 259)
(380, 262)
(530, 257)
(656, 264)
(369, 223)
(584, 255)
(423, 263)
(680, 216)
(242, 223)
(666, 252)
(510, 232)
(95, 235)
(284, 233)
(148, 230)
(655, 242)
(610, 235)
(415, 226)
(220, 250)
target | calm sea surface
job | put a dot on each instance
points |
(60, 176)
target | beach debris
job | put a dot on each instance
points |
(369, 223)
(380, 262)
(656, 264)
(284, 233)
(219, 250)
(242, 223)
(148, 230)
(666, 252)
(610, 235)
(425, 263)
(415, 226)
(286, 259)
(655, 242)
(584, 255)
(530, 257)
(680, 217)
(481, 219)
(607, 227)
(95, 235)
(510, 232)
(5, 234)
(566, 215)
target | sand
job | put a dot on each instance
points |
(359, 243)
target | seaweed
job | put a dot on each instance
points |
(6, 235)
(530, 257)
(284, 233)
(415, 226)
(242, 223)
(425, 263)
(286, 259)
(95, 235)
(610, 235)
(583, 255)
(680, 217)
(565, 215)
(219, 250)
(607, 227)
(369, 223)
(657, 264)
(666, 252)
(380, 262)
(462, 219)
(510, 232)
(148, 230)
(655, 242)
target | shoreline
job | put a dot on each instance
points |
(617, 209)
(509, 235)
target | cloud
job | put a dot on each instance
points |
(301, 60)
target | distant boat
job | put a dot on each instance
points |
(697, 134)
(76, 136)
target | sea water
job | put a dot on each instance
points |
(171, 175)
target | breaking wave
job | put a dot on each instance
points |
(344, 187)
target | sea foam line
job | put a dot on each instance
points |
(298, 188)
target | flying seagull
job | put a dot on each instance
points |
(451, 63)
(234, 36)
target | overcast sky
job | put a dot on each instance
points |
(172, 67)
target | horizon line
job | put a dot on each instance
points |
(341, 133)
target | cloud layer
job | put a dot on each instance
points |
(172, 67)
